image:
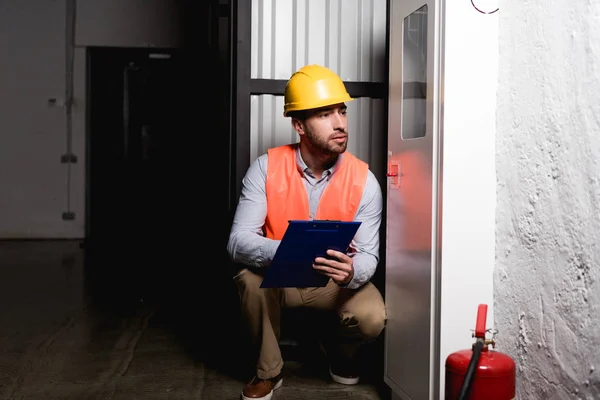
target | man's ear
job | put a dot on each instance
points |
(298, 126)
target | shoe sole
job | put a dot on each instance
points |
(336, 378)
(268, 396)
(344, 380)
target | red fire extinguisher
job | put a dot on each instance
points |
(480, 373)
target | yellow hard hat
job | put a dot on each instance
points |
(314, 86)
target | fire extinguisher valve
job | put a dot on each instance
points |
(492, 341)
(486, 341)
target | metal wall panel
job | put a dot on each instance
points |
(366, 126)
(347, 36)
(268, 127)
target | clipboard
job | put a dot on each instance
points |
(302, 242)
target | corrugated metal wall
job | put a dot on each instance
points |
(348, 36)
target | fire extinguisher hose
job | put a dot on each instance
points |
(465, 389)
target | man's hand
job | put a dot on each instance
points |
(339, 267)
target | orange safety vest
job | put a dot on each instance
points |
(287, 198)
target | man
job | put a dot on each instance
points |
(313, 179)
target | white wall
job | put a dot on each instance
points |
(469, 176)
(33, 182)
(548, 216)
(35, 187)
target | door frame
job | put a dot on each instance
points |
(436, 132)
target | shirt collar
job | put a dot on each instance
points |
(302, 167)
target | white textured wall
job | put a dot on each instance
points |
(548, 214)
(35, 188)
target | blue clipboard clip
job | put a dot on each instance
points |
(302, 242)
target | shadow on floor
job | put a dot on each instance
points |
(191, 295)
(87, 324)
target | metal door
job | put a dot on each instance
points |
(413, 198)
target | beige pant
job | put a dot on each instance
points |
(360, 315)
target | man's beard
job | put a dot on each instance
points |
(326, 145)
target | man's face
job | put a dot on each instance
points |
(326, 129)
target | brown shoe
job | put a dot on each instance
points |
(261, 389)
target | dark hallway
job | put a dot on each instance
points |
(73, 329)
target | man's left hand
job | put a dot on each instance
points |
(338, 267)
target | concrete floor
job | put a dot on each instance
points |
(78, 326)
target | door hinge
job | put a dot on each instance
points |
(68, 216)
(68, 158)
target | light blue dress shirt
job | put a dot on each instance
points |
(248, 245)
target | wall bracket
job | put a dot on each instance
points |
(68, 216)
(68, 158)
